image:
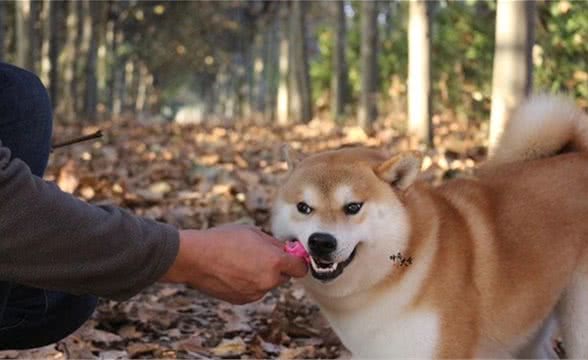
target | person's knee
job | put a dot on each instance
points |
(64, 314)
(68, 313)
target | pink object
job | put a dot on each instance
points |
(295, 248)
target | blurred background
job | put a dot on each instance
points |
(194, 98)
(283, 61)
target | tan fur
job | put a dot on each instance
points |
(494, 255)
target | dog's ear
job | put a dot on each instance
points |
(401, 170)
(292, 157)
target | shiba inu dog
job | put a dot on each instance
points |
(476, 267)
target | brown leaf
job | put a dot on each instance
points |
(68, 180)
(230, 348)
(141, 349)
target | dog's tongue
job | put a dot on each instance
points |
(295, 248)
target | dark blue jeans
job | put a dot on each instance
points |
(32, 317)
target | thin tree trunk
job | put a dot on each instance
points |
(300, 67)
(50, 47)
(339, 80)
(55, 11)
(282, 100)
(105, 40)
(82, 49)
(294, 102)
(118, 88)
(368, 110)
(23, 34)
(46, 34)
(256, 71)
(91, 93)
(129, 86)
(116, 68)
(271, 70)
(69, 61)
(419, 72)
(141, 88)
(36, 39)
(513, 67)
(75, 34)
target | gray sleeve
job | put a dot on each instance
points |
(52, 240)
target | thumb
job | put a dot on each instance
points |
(293, 266)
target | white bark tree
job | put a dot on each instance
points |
(419, 72)
(513, 66)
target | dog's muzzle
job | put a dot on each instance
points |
(322, 246)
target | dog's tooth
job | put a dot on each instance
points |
(314, 265)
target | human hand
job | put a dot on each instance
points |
(236, 263)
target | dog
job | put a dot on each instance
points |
(481, 266)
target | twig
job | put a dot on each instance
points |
(96, 135)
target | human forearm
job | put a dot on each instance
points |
(50, 239)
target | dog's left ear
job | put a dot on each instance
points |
(292, 157)
(401, 170)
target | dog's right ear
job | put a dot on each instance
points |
(401, 170)
(292, 157)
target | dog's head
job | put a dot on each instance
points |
(345, 207)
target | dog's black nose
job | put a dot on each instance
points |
(322, 244)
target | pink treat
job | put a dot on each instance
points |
(295, 248)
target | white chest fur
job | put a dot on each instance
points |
(380, 332)
(384, 324)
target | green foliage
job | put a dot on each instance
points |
(321, 66)
(560, 56)
(462, 53)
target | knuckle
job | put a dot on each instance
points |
(270, 282)
(276, 262)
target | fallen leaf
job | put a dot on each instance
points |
(230, 348)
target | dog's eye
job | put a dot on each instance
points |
(303, 208)
(352, 208)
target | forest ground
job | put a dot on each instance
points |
(199, 176)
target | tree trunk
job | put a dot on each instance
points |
(46, 34)
(294, 102)
(128, 92)
(301, 96)
(73, 57)
(339, 80)
(55, 18)
(368, 110)
(36, 38)
(419, 72)
(50, 47)
(116, 76)
(256, 71)
(118, 88)
(282, 100)
(513, 67)
(69, 61)
(23, 34)
(141, 88)
(91, 93)
(271, 70)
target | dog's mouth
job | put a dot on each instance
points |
(327, 271)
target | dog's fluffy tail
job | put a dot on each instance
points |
(543, 126)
